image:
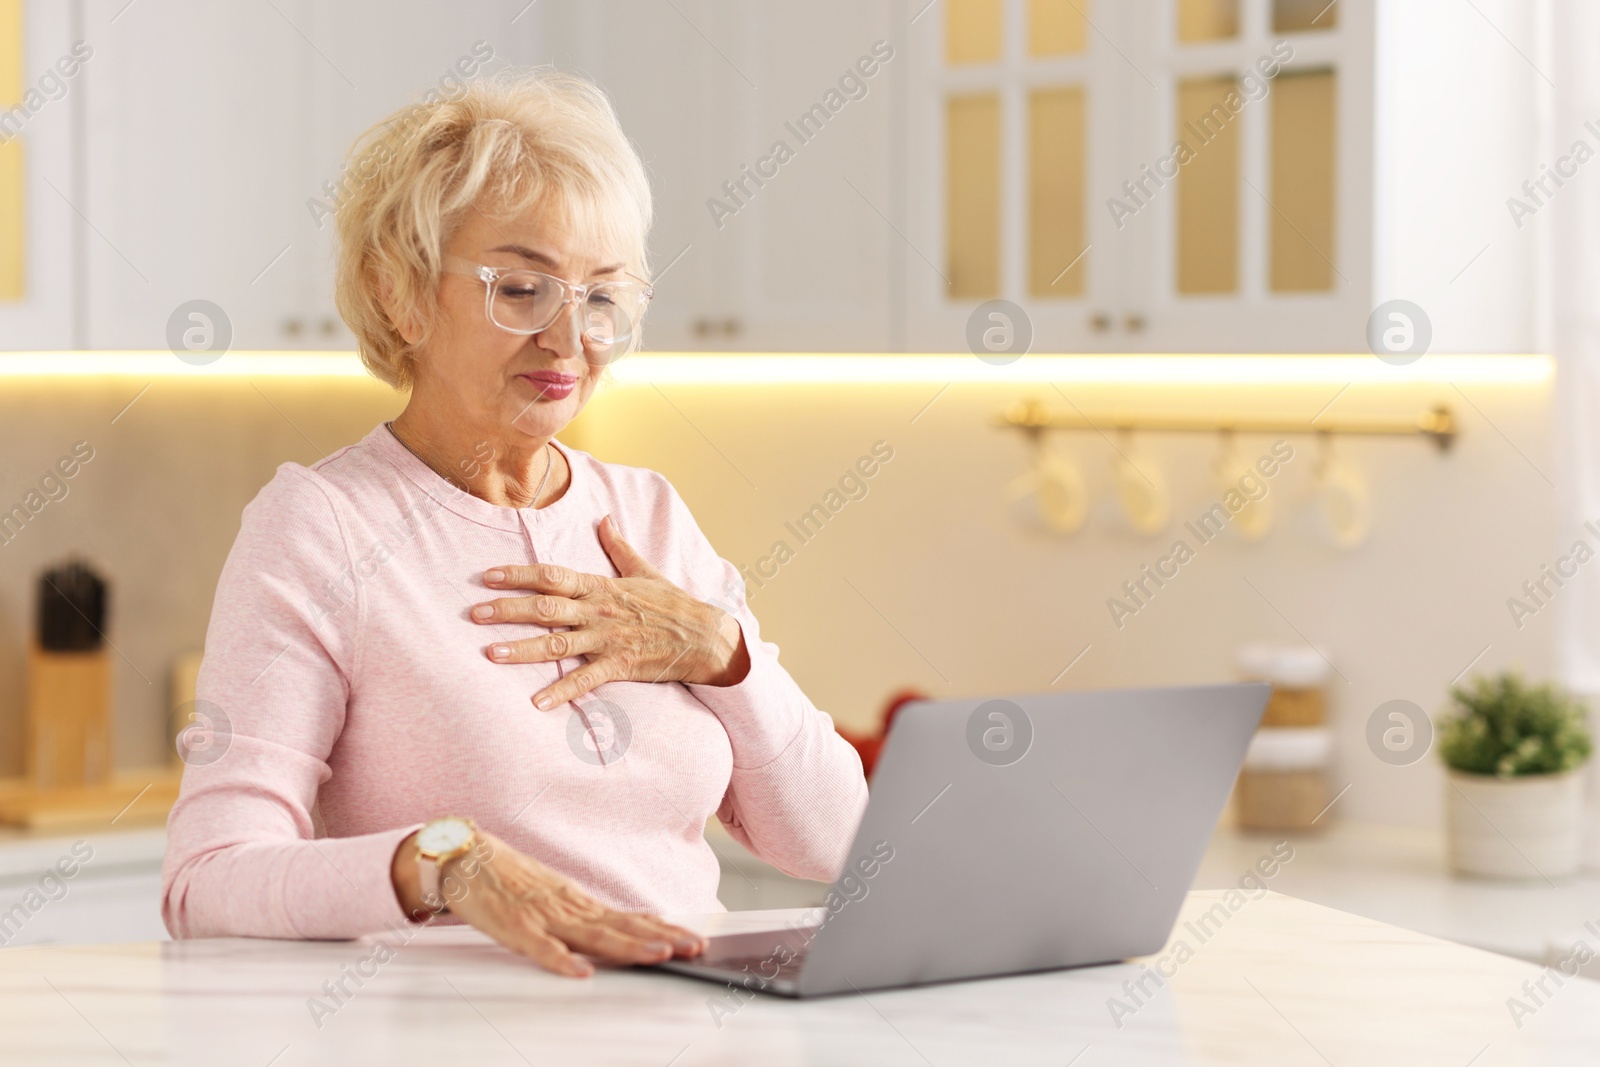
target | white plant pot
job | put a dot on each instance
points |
(1528, 828)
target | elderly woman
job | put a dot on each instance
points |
(460, 665)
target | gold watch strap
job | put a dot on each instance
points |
(430, 867)
(428, 876)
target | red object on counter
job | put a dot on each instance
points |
(868, 746)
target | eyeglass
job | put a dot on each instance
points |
(523, 301)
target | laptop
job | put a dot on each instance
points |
(1013, 834)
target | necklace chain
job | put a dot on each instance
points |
(549, 464)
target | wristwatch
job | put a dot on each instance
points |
(439, 842)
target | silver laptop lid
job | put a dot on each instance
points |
(1031, 832)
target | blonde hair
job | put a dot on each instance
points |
(501, 144)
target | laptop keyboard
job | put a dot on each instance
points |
(761, 967)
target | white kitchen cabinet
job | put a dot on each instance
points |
(1263, 312)
(797, 260)
(808, 255)
(971, 66)
(211, 132)
(190, 154)
(208, 133)
(987, 77)
(669, 87)
(372, 58)
(53, 233)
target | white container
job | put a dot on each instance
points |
(1528, 828)
(1286, 666)
(1290, 748)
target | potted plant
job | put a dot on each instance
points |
(1515, 754)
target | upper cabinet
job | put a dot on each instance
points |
(1144, 175)
(846, 175)
(768, 131)
(44, 63)
(216, 142)
(361, 62)
(190, 159)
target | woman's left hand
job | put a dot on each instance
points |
(638, 627)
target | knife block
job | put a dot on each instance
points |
(68, 718)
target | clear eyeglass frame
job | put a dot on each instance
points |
(571, 293)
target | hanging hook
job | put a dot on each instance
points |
(1244, 491)
(1343, 500)
(1141, 489)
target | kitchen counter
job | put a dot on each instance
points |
(1400, 875)
(1280, 981)
(1393, 874)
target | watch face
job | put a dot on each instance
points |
(443, 835)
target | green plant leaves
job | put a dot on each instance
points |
(1505, 727)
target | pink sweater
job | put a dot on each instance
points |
(361, 704)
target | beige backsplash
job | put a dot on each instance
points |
(930, 578)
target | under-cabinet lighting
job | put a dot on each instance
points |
(788, 368)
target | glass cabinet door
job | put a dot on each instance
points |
(1017, 106)
(1149, 175)
(1255, 231)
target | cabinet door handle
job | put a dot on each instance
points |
(1133, 322)
(708, 327)
(1100, 322)
(293, 327)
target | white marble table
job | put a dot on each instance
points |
(1281, 982)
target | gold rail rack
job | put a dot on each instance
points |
(1438, 424)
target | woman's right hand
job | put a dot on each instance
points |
(534, 911)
